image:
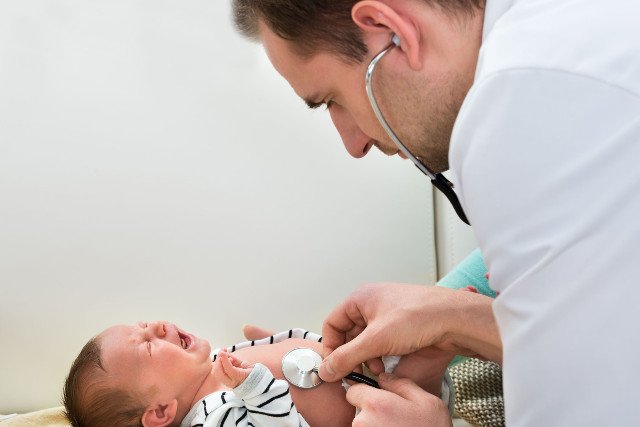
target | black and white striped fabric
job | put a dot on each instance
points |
(261, 400)
(390, 362)
(273, 339)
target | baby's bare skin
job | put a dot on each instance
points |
(324, 405)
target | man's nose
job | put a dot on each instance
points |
(355, 141)
(357, 144)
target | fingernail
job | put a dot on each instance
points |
(327, 369)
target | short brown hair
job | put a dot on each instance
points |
(90, 401)
(315, 25)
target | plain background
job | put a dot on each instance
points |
(154, 166)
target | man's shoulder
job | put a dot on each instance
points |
(589, 38)
(546, 58)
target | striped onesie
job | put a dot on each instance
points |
(246, 405)
(261, 400)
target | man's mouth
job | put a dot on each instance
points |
(185, 340)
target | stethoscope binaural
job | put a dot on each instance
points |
(300, 368)
(438, 180)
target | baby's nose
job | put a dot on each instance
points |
(160, 329)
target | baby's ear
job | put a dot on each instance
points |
(160, 415)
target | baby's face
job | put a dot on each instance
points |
(155, 358)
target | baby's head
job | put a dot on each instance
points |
(144, 374)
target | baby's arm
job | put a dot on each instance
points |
(320, 405)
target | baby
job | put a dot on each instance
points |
(155, 374)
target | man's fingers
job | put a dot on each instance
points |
(343, 323)
(252, 332)
(403, 387)
(375, 365)
(426, 407)
(362, 395)
(335, 328)
(400, 403)
(376, 406)
(345, 358)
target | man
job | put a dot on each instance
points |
(535, 107)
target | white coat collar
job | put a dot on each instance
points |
(493, 10)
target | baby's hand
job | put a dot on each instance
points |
(231, 370)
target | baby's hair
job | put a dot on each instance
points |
(88, 398)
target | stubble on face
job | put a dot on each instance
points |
(422, 111)
(421, 106)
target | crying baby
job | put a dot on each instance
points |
(156, 374)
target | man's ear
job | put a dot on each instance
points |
(160, 415)
(377, 19)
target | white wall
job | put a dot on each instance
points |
(454, 239)
(153, 165)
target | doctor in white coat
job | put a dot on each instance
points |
(534, 105)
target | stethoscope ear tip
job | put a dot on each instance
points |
(395, 40)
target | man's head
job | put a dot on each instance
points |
(144, 374)
(322, 48)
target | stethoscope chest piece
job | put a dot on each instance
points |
(300, 367)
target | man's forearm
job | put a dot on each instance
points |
(473, 326)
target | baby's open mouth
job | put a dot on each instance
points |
(185, 340)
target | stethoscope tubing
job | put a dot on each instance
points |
(359, 378)
(363, 379)
(296, 364)
(438, 180)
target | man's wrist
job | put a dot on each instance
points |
(474, 328)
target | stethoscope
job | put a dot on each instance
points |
(438, 180)
(300, 368)
(300, 365)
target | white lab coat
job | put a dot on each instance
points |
(545, 156)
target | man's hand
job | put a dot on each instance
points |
(399, 402)
(426, 368)
(394, 319)
(230, 370)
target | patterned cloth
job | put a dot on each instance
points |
(477, 384)
(478, 392)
